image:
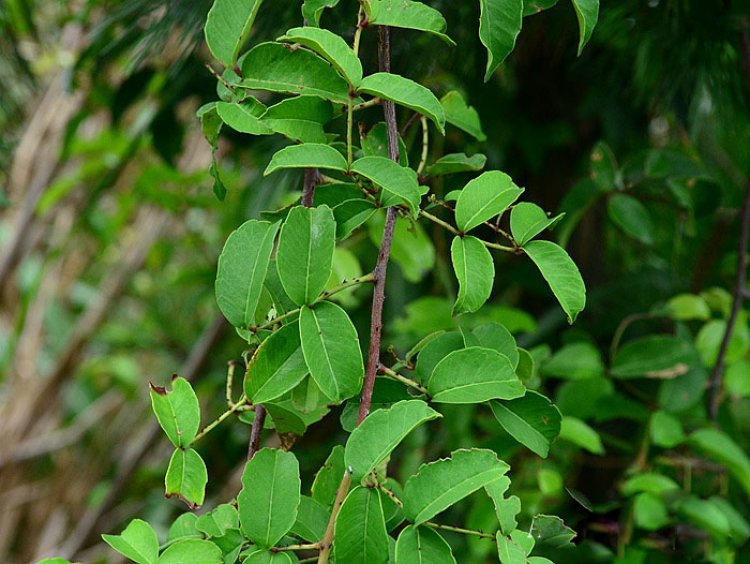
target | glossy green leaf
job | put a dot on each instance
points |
(312, 10)
(244, 118)
(305, 253)
(408, 14)
(381, 432)
(438, 485)
(632, 217)
(462, 115)
(137, 542)
(228, 27)
(328, 478)
(312, 520)
(192, 551)
(485, 197)
(475, 271)
(473, 375)
(579, 433)
(177, 411)
(276, 68)
(561, 274)
(719, 447)
(215, 523)
(276, 367)
(532, 420)
(587, 12)
(186, 477)
(422, 545)
(455, 163)
(331, 349)
(269, 497)
(360, 533)
(398, 185)
(242, 269)
(331, 47)
(657, 356)
(307, 155)
(528, 220)
(300, 118)
(405, 92)
(576, 361)
(499, 24)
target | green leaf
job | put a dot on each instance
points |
(649, 512)
(710, 337)
(587, 12)
(177, 411)
(276, 68)
(276, 367)
(331, 349)
(475, 270)
(509, 551)
(649, 482)
(531, 7)
(561, 274)
(312, 520)
(665, 430)
(455, 163)
(331, 47)
(192, 551)
(604, 167)
(360, 533)
(305, 254)
(405, 92)
(300, 118)
(374, 143)
(720, 448)
(551, 531)
(398, 184)
(657, 356)
(463, 116)
(687, 307)
(499, 24)
(307, 155)
(435, 351)
(328, 478)
(137, 542)
(579, 433)
(184, 526)
(506, 509)
(267, 557)
(577, 361)
(244, 118)
(632, 217)
(528, 220)
(438, 485)
(216, 523)
(408, 15)
(242, 269)
(186, 477)
(483, 198)
(704, 514)
(269, 497)
(532, 420)
(313, 9)
(495, 336)
(228, 27)
(381, 432)
(412, 249)
(422, 545)
(473, 375)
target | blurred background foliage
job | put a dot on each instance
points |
(109, 235)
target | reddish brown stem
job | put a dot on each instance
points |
(257, 431)
(312, 177)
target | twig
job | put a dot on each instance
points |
(459, 530)
(216, 422)
(403, 379)
(231, 365)
(449, 227)
(425, 146)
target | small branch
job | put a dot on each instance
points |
(455, 231)
(459, 530)
(256, 432)
(313, 546)
(327, 542)
(425, 145)
(390, 494)
(367, 104)
(403, 379)
(230, 379)
(211, 426)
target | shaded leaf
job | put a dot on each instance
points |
(313, 9)
(360, 533)
(331, 47)
(398, 184)
(300, 118)
(422, 545)
(579, 433)
(312, 520)
(276, 367)
(455, 163)
(463, 116)
(719, 447)
(499, 24)
(328, 478)
(587, 12)
(654, 356)
(551, 531)
(532, 420)
(632, 217)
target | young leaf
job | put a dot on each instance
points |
(532, 420)
(276, 68)
(473, 375)
(561, 274)
(438, 485)
(192, 551)
(269, 497)
(307, 155)
(242, 270)
(483, 198)
(587, 12)
(228, 27)
(305, 254)
(475, 270)
(277, 366)
(463, 116)
(186, 477)
(331, 47)
(177, 411)
(456, 163)
(499, 24)
(360, 533)
(331, 349)
(313, 9)
(405, 92)
(300, 118)
(398, 185)
(244, 118)
(312, 520)
(422, 545)
(408, 15)
(381, 432)
(137, 542)
(528, 220)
